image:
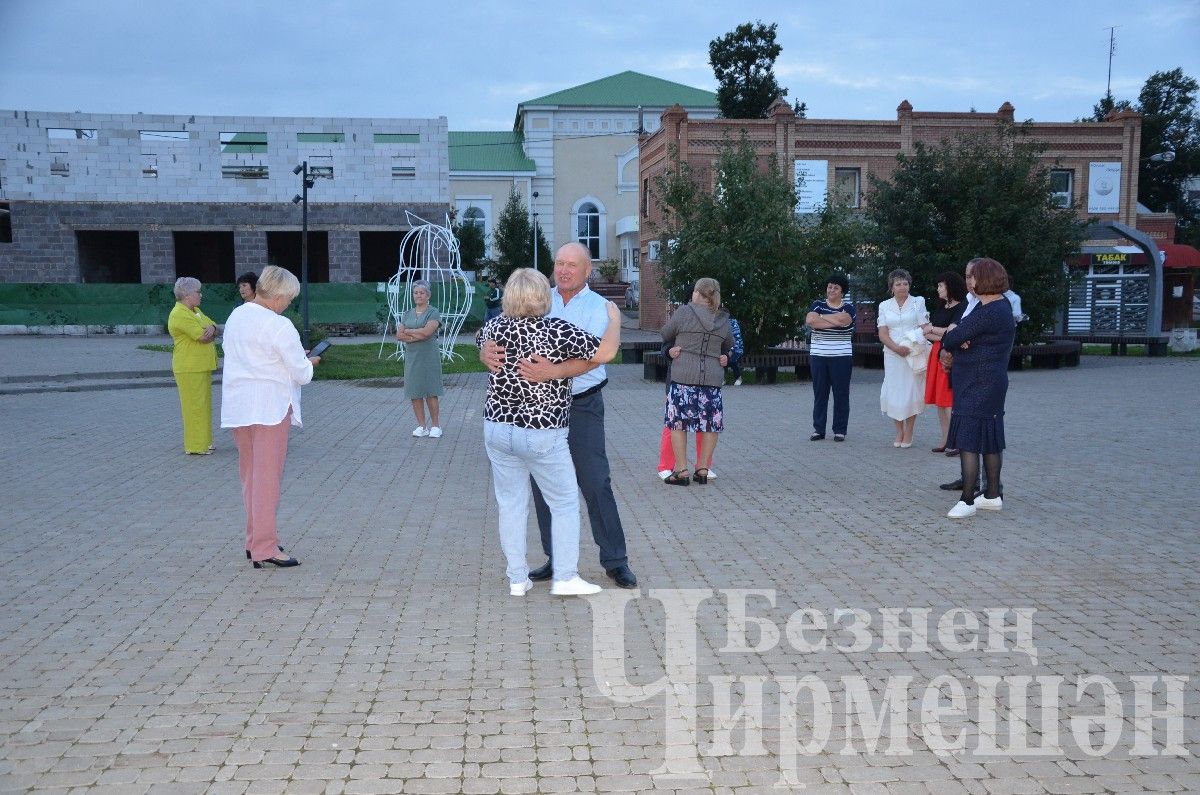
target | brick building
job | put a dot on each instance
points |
(1093, 166)
(117, 198)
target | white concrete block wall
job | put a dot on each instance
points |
(110, 167)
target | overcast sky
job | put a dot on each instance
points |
(474, 61)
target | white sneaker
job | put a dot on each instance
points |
(989, 505)
(663, 474)
(961, 510)
(576, 586)
(420, 431)
(711, 474)
(737, 381)
(520, 588)
(435, 432)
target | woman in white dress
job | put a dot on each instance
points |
(901, 319)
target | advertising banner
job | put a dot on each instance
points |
(1104, 188)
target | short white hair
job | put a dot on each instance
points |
(276, 282)
(185, 286)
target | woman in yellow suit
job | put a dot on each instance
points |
(193, 361)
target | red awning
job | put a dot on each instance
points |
(1179, 256)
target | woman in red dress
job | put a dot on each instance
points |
(952, 296)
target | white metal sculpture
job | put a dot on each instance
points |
(429, 252)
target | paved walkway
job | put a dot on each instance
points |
(140, 652)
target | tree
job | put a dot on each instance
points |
(1170, 123)
(513, 238)
(471, 245)
(978, 194)
(743, 62)
(745, 234)
(1105, 106)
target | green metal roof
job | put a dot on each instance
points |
(488, 151)
(628, 90)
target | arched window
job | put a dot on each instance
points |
(589, 218)
(474, 216)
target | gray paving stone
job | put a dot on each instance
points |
(140, 653)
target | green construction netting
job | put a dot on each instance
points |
(149, 304)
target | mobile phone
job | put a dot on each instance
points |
(320, 348)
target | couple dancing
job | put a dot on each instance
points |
(544, 422)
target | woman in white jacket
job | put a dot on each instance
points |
(901, 319)
(265, 366)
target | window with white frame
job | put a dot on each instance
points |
(847, 186)
(476, 211)
(588, 226)
(1062, 183)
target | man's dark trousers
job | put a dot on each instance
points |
(585, 437)
(827, 372)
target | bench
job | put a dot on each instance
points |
(632, 352)
(766, 365)
(868, 355)
(1155, 345)
(1046, 355)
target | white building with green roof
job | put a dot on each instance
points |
(577, 150)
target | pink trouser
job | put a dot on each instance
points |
(666, 457)
(261, 453)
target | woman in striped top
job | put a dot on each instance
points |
(830, 356)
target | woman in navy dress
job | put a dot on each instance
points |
(981, 344)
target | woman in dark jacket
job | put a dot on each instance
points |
(981, 345)
(701, 331)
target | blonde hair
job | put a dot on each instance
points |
(276, 282)
(526, 294)
(710, 292)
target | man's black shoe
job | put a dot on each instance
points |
(543, 572)
(955, 485)
(621, 575)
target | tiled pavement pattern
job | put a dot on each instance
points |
(139, 652)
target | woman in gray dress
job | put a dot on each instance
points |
(422, 361)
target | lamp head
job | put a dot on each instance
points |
(296, 199)
(298, 169)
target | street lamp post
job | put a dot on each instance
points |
(302, 199)
(534, 232)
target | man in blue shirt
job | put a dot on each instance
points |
(573, 301)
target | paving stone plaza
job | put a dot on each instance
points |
(140, 652)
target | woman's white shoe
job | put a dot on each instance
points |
(435, 432)
(520, 588)
(576, 586)
(961, 510)
(420, 431)
(989, 505)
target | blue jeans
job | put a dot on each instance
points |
(516, 455)
(831, 373)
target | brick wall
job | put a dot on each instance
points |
(44, 245)
(871, 147)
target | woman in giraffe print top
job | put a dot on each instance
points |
(525, 426)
